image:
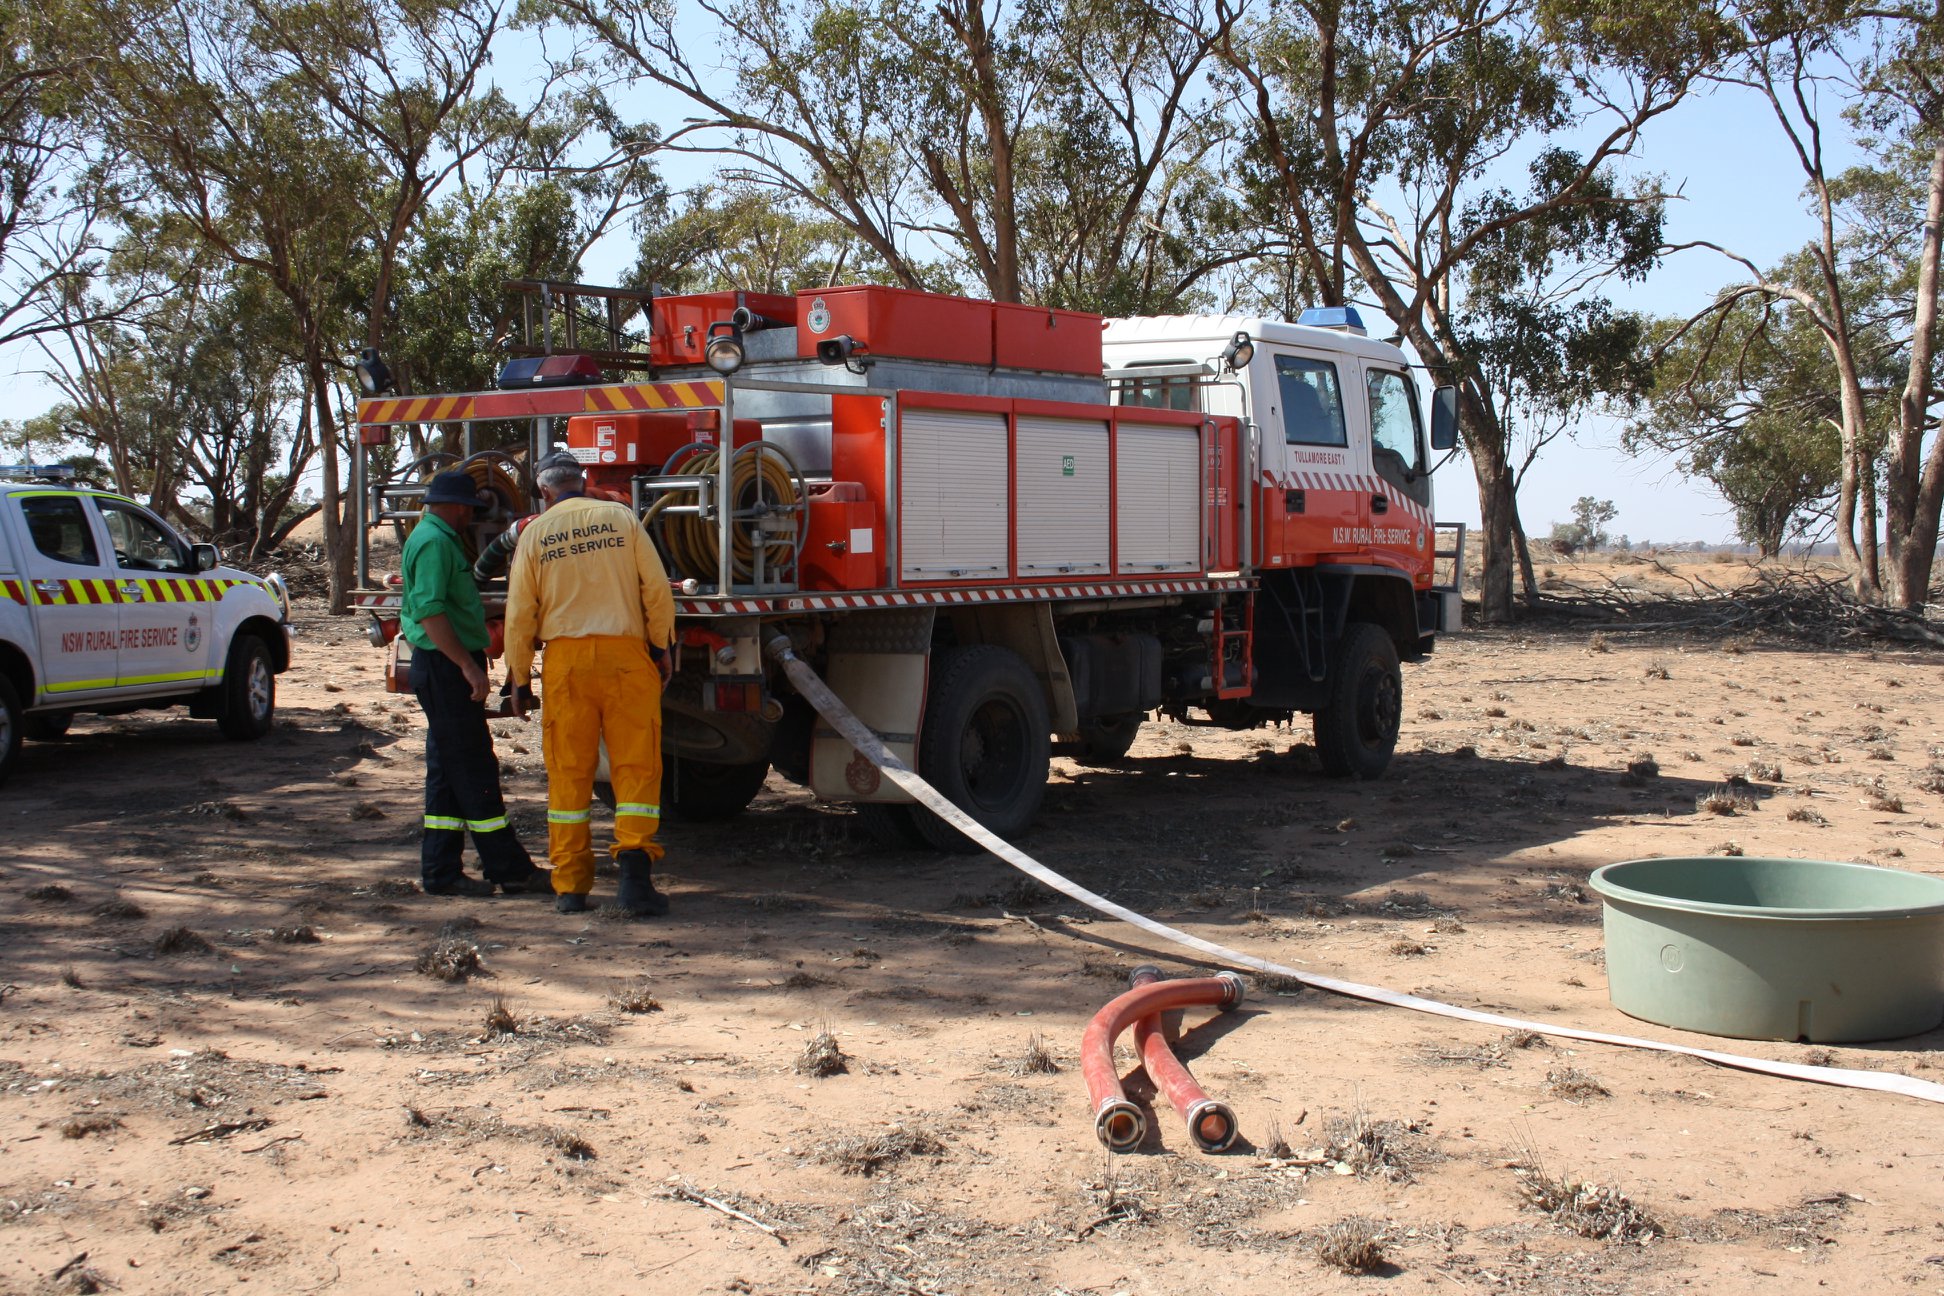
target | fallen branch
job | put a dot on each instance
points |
(222, 1130)
(688, 1195)
(287, 1138)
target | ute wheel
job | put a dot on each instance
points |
(1105, 739)
(248, 690)
(47, 727)
(985, 743)
(1356, 727)
(895, 826)
(696, 792)
(10, 719)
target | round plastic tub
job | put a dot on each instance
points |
(1775, 948)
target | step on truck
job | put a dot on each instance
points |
(996, 531)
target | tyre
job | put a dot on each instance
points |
(248, 690)
(985, 742)
(895, 826)
(1105, 739)
(10, 725)
(49, 727)
(697, 792)
(1356, 727)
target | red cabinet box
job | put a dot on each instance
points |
(896, 322)
(1036, 337)
(682, 322)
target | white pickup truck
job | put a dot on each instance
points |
(105, 609)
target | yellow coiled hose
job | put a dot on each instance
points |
(761, 482)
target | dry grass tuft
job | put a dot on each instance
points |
(180, 940)
(1354, 1244)
(1366, 1146)
(78, 1279)
(1640, 767)
(1575, 1085)
(80, 1127)
(304, 935)
(1657, 671)
(1589, 1209)
(1731, 849)
(1407, 949)
(72, 979)
(119, 909)
(49, 893)
(634, 997)
(500, 1019)
(1764, 771)
(1881, 799)
(1274, 1144)
(1598, 643)
(1036, 1060)
(1803, 814)
(1724, 800)
(452, 957)
(569, 1144)
(1524, 1039)
(821, 1056)
(864, 1154)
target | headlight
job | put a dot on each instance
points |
(276, 583)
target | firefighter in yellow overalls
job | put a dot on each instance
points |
(588, 584)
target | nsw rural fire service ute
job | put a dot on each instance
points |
(991, 528)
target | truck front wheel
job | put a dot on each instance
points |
(985, 744)
(1356, 727)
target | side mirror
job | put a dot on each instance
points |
(1444, 418)
(205, 557)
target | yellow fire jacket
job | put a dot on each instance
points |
(584, 567)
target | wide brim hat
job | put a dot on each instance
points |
(453, 488)
(562, 459)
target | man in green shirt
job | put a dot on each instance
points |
(444, 621)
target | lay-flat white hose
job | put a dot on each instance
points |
(860, 736)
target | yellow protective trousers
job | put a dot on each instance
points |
(595, 689)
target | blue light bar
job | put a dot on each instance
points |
(61, 471)
(1344, 319)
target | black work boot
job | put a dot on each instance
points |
(637, 894)
(570, 902)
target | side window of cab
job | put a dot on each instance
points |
(141, 542)
(1312, 403)
(57, 525)
(1394, 418)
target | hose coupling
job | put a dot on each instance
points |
(1120, 1125)
(1211, 1123)
(1238, 989)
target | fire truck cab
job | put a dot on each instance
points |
(991, 528)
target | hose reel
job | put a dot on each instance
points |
(767, 506)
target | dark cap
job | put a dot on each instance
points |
(452, 488)
(559, 460)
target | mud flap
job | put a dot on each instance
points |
(877, 666)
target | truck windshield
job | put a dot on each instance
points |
(1312, 404)
(1156, 393)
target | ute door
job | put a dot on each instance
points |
(165, 612)
(1313, 504)
(70, 582)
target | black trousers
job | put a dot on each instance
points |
(462, 779)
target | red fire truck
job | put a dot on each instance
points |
(991, 528)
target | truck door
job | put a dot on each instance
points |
(1400, 514)
(71, 585)
(1311, 502)
(166, 628)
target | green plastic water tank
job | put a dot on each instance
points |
(1775, 948)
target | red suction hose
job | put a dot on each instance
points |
(1119, 1123)
(1210, 1123)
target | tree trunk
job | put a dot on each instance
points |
(1524, 551)
(1917, 489)
(1497, 506)
(337, 547)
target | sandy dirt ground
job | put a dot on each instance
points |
(221, 1069)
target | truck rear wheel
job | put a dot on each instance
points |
(10, 719)
(1357, 725)
(985, 743)
(248, 690)
(890, 825)
(698, 792)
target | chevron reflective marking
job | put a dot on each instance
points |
(654, 396)
(417, 409)
(948, 597)
(13, 592)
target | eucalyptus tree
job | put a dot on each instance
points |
(1057, 150)
(1383, 141)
